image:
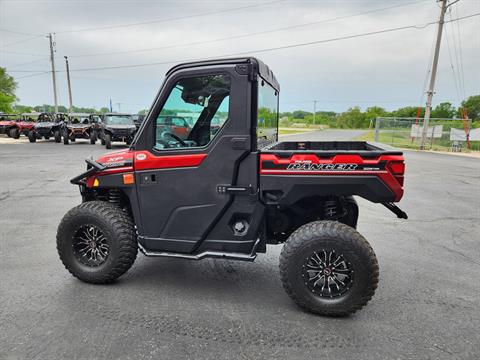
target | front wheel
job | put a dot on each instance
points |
(65, 138)
(93, 137)
(328, 268)
(58, 136)
(108, 141)
(96, 242)
(32, 137)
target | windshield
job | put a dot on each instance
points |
(267, 116)
(119, 120)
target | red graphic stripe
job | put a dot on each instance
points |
(144, 160)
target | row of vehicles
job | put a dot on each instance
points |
(68, 128)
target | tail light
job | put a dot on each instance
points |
(397, 169)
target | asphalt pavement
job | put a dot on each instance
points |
(426, 307)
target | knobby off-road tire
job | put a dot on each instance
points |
(15, 133)
(108, 141)
(31, 136)
(65, 138)
(58, 136)
(117, 231)
(93, 137)
(323, 248)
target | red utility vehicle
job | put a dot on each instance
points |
(229, 193)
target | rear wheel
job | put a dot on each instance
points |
(96, 242)
(328, 268)
(32, 137)
(15, 133)
(65, 138)
(93, 137)
(108, 141)
(58, 136)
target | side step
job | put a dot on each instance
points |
(203, 255)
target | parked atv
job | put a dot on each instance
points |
(79, 126)
(48, 125)
(116, 127)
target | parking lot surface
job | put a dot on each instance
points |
(426, 307)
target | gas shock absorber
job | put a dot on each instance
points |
(114, 196)
(330, 209)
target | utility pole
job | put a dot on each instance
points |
(314, 110)
(431, 87)
(70, 109)
(54, 79)
(119, 107)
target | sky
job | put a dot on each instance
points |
(388, 69)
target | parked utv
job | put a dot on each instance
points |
(79, 126)
(7, 123)
(229, 194)
(116, 127)
(138, 119)
(24, 124)
(48, 125)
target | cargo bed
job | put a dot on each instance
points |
(291, 169)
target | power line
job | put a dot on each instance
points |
(32, 75)
(21, 53)
(19, 32)
(21, 41)
(233, 37)
(462, 75)
(280, 47)
(455, 76)
(417, 27)
(109, 27)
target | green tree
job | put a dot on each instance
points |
(472, 107)
(374, 112)
(300, 114)
(444, 110)
(353, 118)
(7, 91)
(20, 109)
(408, 111)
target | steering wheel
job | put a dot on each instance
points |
(173, 136)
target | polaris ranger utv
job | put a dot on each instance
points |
(229, 193)
(79, 126)
(48, 125)
(116, 127)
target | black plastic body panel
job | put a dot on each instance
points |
(183, 211)
(291, 188)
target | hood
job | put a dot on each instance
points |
(6, 122)
(118, 158)
(120, 127)
(79, 126)
(45, 124)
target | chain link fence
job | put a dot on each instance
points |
(443, 134)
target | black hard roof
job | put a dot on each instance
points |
(261, 68)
